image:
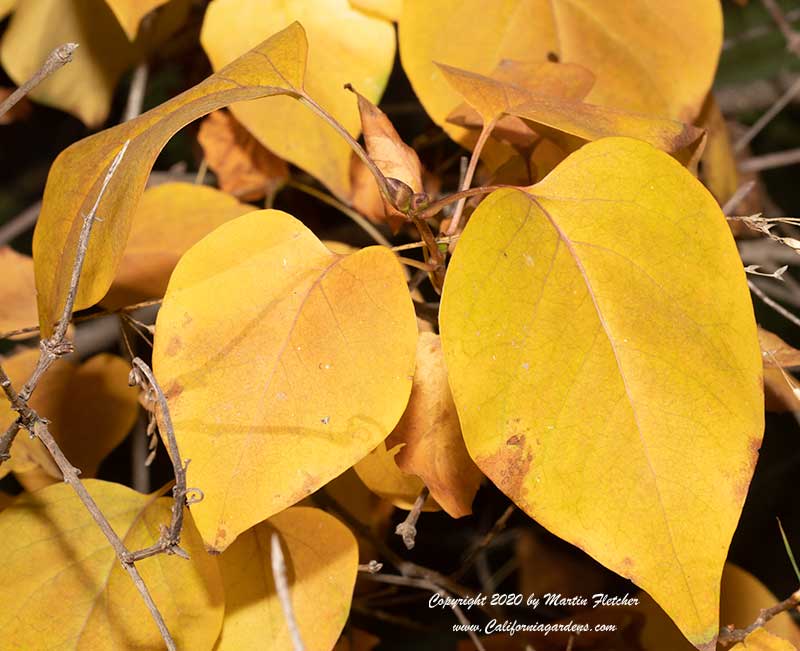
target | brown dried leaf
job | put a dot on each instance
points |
(430, 434)
(244, 167)
(776, 352)
(366, 197)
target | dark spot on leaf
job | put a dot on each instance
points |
(174, 346)
(508, 468)
(516, 440)
(173, 390)
(552, 57)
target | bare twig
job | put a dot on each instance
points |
(765, 119)
(774, 305)
(20, 224)
(782, 21)
(169, 541)
(730, 635)
(741, 192)
(467, 180)
(484, 542)
(282, 588)
(71, 477)
(135, 102)
(58, 58)
(407, 529)
(770, 161)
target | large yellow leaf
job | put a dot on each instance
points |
(602, 351)
(345, 46)
(762, 640)
(18, 291)
(648, 56)
(283, 364)
(169, 220)
(91, 409)
(63, 588)
(85, 86)
(276, 66)
(322, 558)
(129, 13)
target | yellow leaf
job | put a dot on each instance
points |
(776, 352)
(345, 46)
(602, 352)
(91, 409)
(430, 435)
(274, 67)
(382, 476)
(325, 342)
(130, 13)
(18, 291)
(243, 166)
(651, 58)
(170, 219)
(719, 171)
(6, 7)
(387, 9)
(762, 640)
(322, 559)
(742, 598)
(85, 86)
(493, 98)
(63, 588)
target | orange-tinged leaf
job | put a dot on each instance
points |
(719, 171)
(169, 220)
(345, 46)
(326, 342)
(85, 86)
(91, 409)
(762, 640)
(274, 67)
(602, 352)
(322, 556)
(367, 199)
(243, 166)
(130, 13)
(5, 500)
(652, 58)
(779, 384)
(742, 598)
(382, 476)
(776, 352)
(18, 291)
(585, 122)
(6, 6)
(430, 435)
(387, 150)
(75, 593)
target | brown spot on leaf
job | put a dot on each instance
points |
(508, 468)
(174, 346)
(516, 440)
(173, 390)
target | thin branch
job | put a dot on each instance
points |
(71, 477)
(487, 539)
(20, 224)
(765, 119)
(774, 305)
(135, 102)
(781, 20)
(770, 161)
(741, 192)
(730, 635)
(58, 58)
(431, 210)
(359, 219)
(282, 588)
(407, 529)
(467, 180)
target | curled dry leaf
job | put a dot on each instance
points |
(85, 86)
(322, 560)
(275, 66)
(781, 389)
(382, 476)
(651, 59)
(742, 598)
(601, 379)
(130, 13)
(261, 306)
(569, 123)
(244, 167)
(169, 220)
(718, 169)
(17, 292)
(91, 409)
(44, 535)
(345, 46)
(430, 436)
